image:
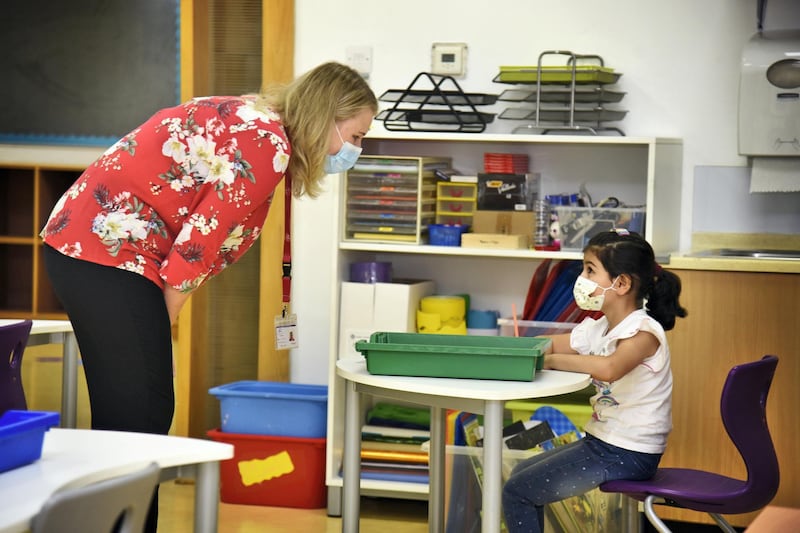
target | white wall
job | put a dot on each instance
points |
(679, 59)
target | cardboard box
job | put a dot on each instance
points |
(494, 241)
(274, 471)
(369, 307)
(503, 222)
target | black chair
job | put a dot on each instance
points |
(743, 407)
(13, 339)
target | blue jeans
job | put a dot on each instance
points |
(570, 470)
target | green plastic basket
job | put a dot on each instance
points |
(454, 356)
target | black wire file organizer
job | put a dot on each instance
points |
(570, 98)
(433, 102)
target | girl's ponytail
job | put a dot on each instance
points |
(662, 302)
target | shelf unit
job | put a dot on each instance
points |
(30, 184)
(644, 170)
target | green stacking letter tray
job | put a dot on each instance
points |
(454, 356)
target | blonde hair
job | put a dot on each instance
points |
(309, 106)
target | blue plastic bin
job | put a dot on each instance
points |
(22, 436)
(272, 408)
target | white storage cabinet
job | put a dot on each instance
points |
(639, 170)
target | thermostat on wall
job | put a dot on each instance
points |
(449, 59)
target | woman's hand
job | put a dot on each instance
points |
(174, 300)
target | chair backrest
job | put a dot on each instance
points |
(119, 504)
(13, 339)
(743, 408)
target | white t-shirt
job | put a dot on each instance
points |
(634, 412)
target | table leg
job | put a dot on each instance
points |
(351, 471)
(436, 457)
(631, 517)
(206, 498)
(69, 382)
(492, 466)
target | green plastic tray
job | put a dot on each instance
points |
(453, 356)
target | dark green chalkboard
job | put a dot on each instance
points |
(85, 71)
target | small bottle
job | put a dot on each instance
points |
(541, 223)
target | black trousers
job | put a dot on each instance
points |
(123, 331)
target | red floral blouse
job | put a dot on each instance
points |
(180, 197)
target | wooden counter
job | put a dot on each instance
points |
(739, 310)
(733, 264)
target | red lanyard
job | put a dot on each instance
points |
(287, 242)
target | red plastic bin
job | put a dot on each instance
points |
(273, 471)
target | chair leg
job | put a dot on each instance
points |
(650, 513)
(722, 523)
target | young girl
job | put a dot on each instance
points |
(626, 353)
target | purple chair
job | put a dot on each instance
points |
(743, 407)
(13, 339)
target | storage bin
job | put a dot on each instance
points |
(590, 512)
(455, 204)
(579, 224)
(22, 436)
(270, 408)
(446, 234)
(453, 356)
(371, 272)
(576, 408)
(391, 198)
(461, 191)
(273, 471)
(532, 328)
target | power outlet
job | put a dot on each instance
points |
(360, 59)
(449, 59)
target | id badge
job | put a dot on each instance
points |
(286, 331)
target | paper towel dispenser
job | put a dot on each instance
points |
(769, 95)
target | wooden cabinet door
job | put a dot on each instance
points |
(734, 317)
(225, 331)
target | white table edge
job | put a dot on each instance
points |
(200, 461)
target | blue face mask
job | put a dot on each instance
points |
(344, 159)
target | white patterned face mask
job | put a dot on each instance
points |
(584, 289)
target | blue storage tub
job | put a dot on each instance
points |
(272, 408)
(22, 436)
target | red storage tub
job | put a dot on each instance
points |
(273, 471)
